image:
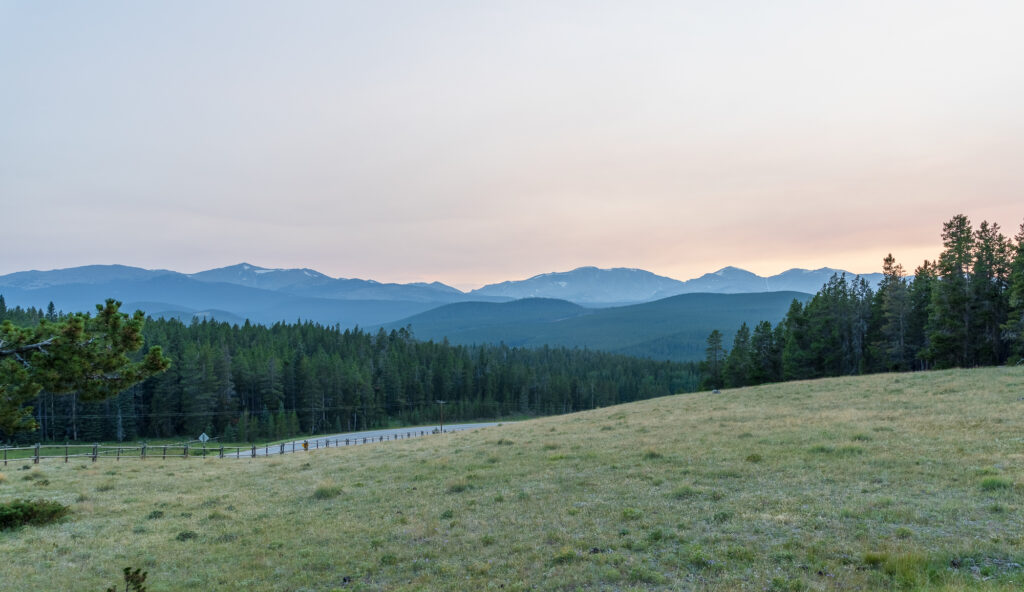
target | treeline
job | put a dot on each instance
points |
(254, 383)
(965, 309)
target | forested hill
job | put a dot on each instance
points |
(253, 382)
(673, 328)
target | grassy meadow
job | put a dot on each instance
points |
(901, 481)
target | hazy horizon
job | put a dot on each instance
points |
(473, 143)
(465, 288)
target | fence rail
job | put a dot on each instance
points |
(143, 451)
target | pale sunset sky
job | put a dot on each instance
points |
(480, 141)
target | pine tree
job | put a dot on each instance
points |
(893, 306)
(714, 362)
(1013, 328)
(765, 355)
(950, 311)
(797, 363)
(920, 293)
(736, 372)
(82, 354)
(989, 293)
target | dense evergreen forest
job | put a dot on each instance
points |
(254, 383)
(965, 309)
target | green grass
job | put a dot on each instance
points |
(892, 482)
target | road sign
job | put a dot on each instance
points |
(203, 437)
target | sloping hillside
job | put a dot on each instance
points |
(900, 481)
(673, 328)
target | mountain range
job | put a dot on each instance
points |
(575, 299)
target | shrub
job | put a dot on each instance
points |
(651, 454)
(326, 491)
(684, 492)
(458, 486)
(133, 581)
(754, 458)
(564, 555)
(31, 512)
(995, 484)
(631, 514)
(186, 535)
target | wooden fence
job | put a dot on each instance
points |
(143, 451)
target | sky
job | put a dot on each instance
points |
(476, 142)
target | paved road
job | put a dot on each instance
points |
(353, 438)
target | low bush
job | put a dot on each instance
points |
(995, 483)
(31, 512)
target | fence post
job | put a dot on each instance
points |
(5, 451)
(5, 455)
(282, 448)
(165, 451)
(65, 451)
(318, 444)
(222, 451)
(118, 453)
(186, 449)
(293, 446)
(143, 451)
(95, 452)
(37, 453)
(254, 451)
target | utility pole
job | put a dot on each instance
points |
(441, 403)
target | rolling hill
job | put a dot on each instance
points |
(673, 328)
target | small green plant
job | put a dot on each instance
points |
(30, 512)
(457, 486)
(447, 514)
(651, 454)
(564, 555)
(631, 514)
(684, 492)
(186, 535)
(754, 458)
(155, 514)
(326, 491)
(133, 580)
(875, 559)
(995, 484)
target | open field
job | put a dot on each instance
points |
(904, 481)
